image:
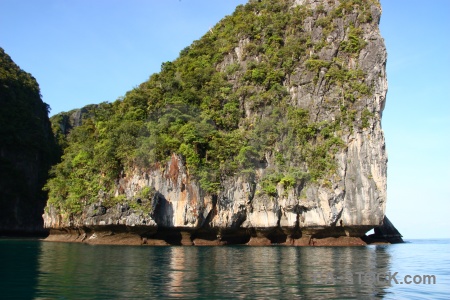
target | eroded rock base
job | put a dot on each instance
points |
(152, 236)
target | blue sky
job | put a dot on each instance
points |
(87, 51)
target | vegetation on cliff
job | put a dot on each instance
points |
(27, 149)
(226, 106)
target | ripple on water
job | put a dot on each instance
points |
(43, 270)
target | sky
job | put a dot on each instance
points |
(90, 51)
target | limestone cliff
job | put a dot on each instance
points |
(322, 174)
(27, 150)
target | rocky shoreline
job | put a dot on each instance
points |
(148, 236)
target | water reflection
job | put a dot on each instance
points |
(344, 271)
(280, 272)
(178, 272)
(18, 268)
(80, 271)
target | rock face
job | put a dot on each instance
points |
(387, 232)
(27, 150)
(164, 200)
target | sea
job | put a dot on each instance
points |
(36, 269)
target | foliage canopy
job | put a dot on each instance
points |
(223, 115)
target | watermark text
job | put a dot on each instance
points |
(372, 278)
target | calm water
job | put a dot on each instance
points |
(31, 269)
